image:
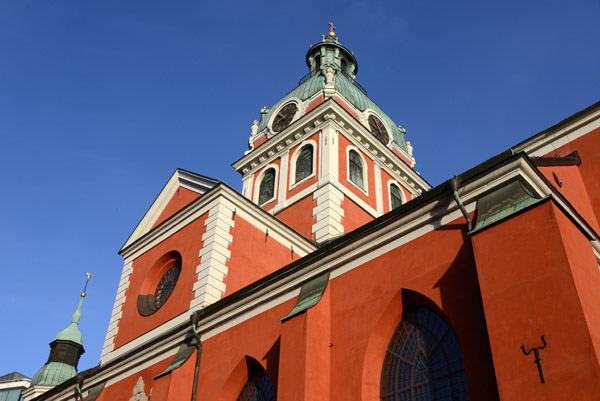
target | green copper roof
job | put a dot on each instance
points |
(503, 202)
(348, 90)
(342, 81)
(72, 332)
(53, 373)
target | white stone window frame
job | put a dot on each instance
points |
(300, 108)
(389, 191)
(370, 112)
(365, 169)
(294, 158)
(259, 181)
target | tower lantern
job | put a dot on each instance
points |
(326, 159)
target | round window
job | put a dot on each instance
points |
(159, 283)
(165, 286)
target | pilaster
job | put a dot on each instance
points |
(378, 188)
(116, 312)
(210, 273)
(328, 213)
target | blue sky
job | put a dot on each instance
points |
(101, 101)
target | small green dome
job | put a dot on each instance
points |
(53, 374)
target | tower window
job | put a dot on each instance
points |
(304, 163)
(423, 361)
(345, 67)
(356, 169)
(395, 196)
(267, 186)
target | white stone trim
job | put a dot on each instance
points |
(259, 179)
(117, 312)
(328, 213)
(294, 158)
(34, 391)
(378, 188)
(552, 139)
(214, 255)
(16, 383)
(247, 186)
(283, 173)
(365, 169)
(180, 178)
(321, 116)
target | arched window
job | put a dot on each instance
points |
(344, 66)
(423, 361)
(317, 63)
(356, 169)
(257, 388)
(267, 186)
(395, 196)
(304, 163)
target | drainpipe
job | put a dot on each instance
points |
(194, 319)
(78, 383)
(454, 186)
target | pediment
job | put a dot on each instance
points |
(182, 188)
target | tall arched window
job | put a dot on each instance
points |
(356, 169)
(423, 361)
(395, 196)
(267, 186)
(257, 388)
(304, 163)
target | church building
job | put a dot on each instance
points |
(340, 274)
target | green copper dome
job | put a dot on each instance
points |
(72, 333)
(53, 374)
(65, 351)
(329, 53)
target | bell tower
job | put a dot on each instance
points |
(326, 159)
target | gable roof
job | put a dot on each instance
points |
(180, 178)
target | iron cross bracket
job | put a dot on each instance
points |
(538, 360)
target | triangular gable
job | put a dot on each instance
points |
(178, 192)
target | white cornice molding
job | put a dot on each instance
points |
(330, 111)
(180, 178)
(277, 229)
(561, 134)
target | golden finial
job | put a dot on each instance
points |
(89, 276)
(255, 122)
(408, 143)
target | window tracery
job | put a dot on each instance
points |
(423, 361)
(356, 169)
(267, 186)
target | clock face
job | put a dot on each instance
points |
(378, 129)
(284, 117)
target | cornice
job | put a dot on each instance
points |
(330, 111)
(200, 206)
(561, 133)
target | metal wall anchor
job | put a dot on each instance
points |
(538, 360)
